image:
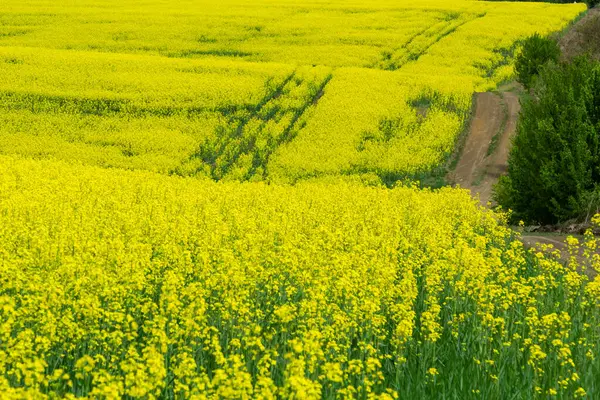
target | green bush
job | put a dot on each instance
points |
(554, 164)
(536, 52)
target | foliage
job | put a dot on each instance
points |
(554, 163)
(535, 53)
(121, 284)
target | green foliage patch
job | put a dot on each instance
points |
(537, 51)
(554, 165)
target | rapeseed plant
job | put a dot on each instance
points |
(288, 92)
(132, 284)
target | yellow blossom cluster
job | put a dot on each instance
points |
(130, 284)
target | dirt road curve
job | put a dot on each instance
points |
(485, 153)
(480, 166)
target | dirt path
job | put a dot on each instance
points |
(485, 154)
(485, 158)
(532, 240)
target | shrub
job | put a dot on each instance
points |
(536, 52)
(554, 168)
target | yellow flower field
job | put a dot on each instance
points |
(130, 284)
(263, 90)
(207, 200)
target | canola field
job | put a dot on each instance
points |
(131, 284)
(254, 90)
(184, 211)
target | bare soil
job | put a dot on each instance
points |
(583, 37)
(485, 155)
(558, 242)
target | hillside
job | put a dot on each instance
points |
(484, 157)
(583, 37)
(254, 90)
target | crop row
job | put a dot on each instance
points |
(375, 122)
(209, 111)
(240, 150)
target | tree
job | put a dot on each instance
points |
(536, 52)
(554, 167)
